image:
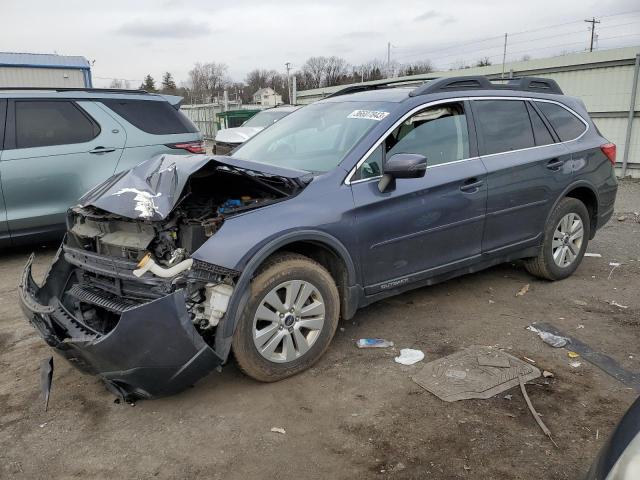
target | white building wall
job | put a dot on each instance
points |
(40, 77)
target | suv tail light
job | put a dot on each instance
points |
(609, 149)
(191, 147)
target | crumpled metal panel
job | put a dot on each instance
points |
(150, 190)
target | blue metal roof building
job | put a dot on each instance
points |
(43, 70)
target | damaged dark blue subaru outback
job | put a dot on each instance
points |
(168, 267)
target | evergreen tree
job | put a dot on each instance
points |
(168, 84)
(149, 84)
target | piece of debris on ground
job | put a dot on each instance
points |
(549, 338)
(460, 376)
(278, 430)
(409, 356)
(523, 290)
(373, 343)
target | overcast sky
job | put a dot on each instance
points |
(128, 39)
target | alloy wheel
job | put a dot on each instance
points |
(567, 240)
(288, 321)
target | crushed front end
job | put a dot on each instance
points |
(123, 299)
(142, 342)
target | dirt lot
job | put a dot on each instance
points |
(357, 414)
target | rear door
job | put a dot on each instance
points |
(526, 171)
(55, 150)
(5, 239)
(428, 225)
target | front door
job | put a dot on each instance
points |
(55, 151)
(428, 225)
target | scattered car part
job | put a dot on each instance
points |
(460, 376)
(46, 377)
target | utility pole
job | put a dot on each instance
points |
(593, 22)
(288, 65)
(388, 58)
(504, 55)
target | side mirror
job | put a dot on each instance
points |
(402, 165)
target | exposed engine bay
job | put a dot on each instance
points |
(120, 262)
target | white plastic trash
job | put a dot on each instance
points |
(408, 356)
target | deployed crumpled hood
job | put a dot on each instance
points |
(237, 135)
(150, 190)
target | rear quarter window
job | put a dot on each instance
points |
(155, 117)
(566, 124)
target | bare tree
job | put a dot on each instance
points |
(416, 68)
(208, 79)
(261, 78)
(483, 62)
(371, 70)
(314, 71)
(119, 84)
(335, 71)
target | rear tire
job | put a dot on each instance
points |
(290, 318)
(566, 236)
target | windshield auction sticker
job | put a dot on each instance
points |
(368, 115)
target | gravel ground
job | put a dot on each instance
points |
(356, 414)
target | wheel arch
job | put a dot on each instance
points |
(587, 194)
(321, 247)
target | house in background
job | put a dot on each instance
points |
(267, 97)
(44, 70)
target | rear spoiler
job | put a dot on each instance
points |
(174, 100)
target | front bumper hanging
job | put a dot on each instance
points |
(154, 350)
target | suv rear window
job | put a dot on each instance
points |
(49, 123)
(504, 125)
(566, 124)
(158, 118)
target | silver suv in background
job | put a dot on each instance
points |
(55, 144)
(229, 138)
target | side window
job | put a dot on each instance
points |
(540, 131)
(372, 166)
(566, 124)
(49, 123)
(439, 133)
(504, 125)
(155, 117)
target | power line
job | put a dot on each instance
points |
(485, 39)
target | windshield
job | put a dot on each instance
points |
(264, 119)
(315, 138)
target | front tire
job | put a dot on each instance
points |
(291, 316)
(565, 240)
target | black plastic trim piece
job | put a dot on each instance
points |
(480, 82)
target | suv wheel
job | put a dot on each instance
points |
(565, 241)
(290, 318)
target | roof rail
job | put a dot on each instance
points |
(76, 89)
(366, 87)
(535, 84)
(479, 82)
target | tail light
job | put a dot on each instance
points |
(609, 149)
(191, 147)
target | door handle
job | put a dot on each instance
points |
(471, 185)
(555, 164)
(102, 150)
